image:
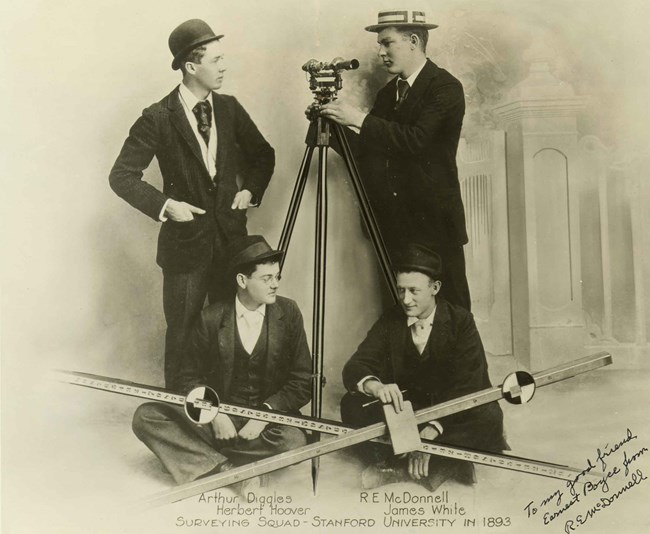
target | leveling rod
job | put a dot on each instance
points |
(354, 437)
(324, 426)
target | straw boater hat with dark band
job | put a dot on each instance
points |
(251, 249)
(187, 36)
(400, 17)
(418, 258)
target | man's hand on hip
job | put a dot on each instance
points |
(223, 427)
(343, 113)
(386, 393)
(252, 429)
(181, 211)
(242, 200)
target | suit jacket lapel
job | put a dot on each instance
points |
(217, 116)
(180, 122)
(275, 325)
(385, 105)
(396, 345)
(227, 344)
(275, 328)
(440, 330)
(415, 94)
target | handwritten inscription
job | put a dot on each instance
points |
(607, 477)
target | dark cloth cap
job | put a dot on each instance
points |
(187, 36)
(418, 258)
(251, 249)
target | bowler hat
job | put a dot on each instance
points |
(400, 17)
(251, 249)
(418, 258)
(187, 36)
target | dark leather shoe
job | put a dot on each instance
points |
(461, 472)
(382, 474)
(433, 480)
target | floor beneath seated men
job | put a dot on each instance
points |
(81, 470)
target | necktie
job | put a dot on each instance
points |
(203, 113)
(402, 90)
(419, 334)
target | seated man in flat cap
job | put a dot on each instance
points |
(432, 350)
(253, 351)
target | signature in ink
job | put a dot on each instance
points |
(598, 490)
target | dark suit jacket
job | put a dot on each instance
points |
(211, 350)
(456, 366)
(164, 131)
(407, 160)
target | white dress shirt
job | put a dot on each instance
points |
(249, 324)
(209, 152)
(421, 329)
(420, 335)
(411, 79)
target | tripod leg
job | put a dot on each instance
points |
(294, 204)
(318, 339)
(366, 212)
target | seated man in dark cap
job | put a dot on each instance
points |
(253, 351)
(432, 350)
(198, 137)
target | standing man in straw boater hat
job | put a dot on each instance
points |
(407, 148)
(195, 134)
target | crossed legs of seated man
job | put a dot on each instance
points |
(190, 451)
(252, 350)
(383, 467)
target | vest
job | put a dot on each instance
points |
(248, 372)
(415, 375)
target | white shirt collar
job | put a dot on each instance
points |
(243, 311)
(412, 77)
(189, 98)
(429, 319)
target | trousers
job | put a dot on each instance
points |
(184, 296)
(440, 468)
(455, 288)
(188, 450)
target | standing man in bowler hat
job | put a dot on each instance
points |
(195, 133)
(407, 146)
(432, 350)
(252, 350)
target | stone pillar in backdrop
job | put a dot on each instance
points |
(482, 175)
(539, 116)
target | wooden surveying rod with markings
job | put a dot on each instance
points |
(201, 405)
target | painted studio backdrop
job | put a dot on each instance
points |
(553, 167)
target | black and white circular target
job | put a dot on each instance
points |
(518, 387)
(202, 405)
